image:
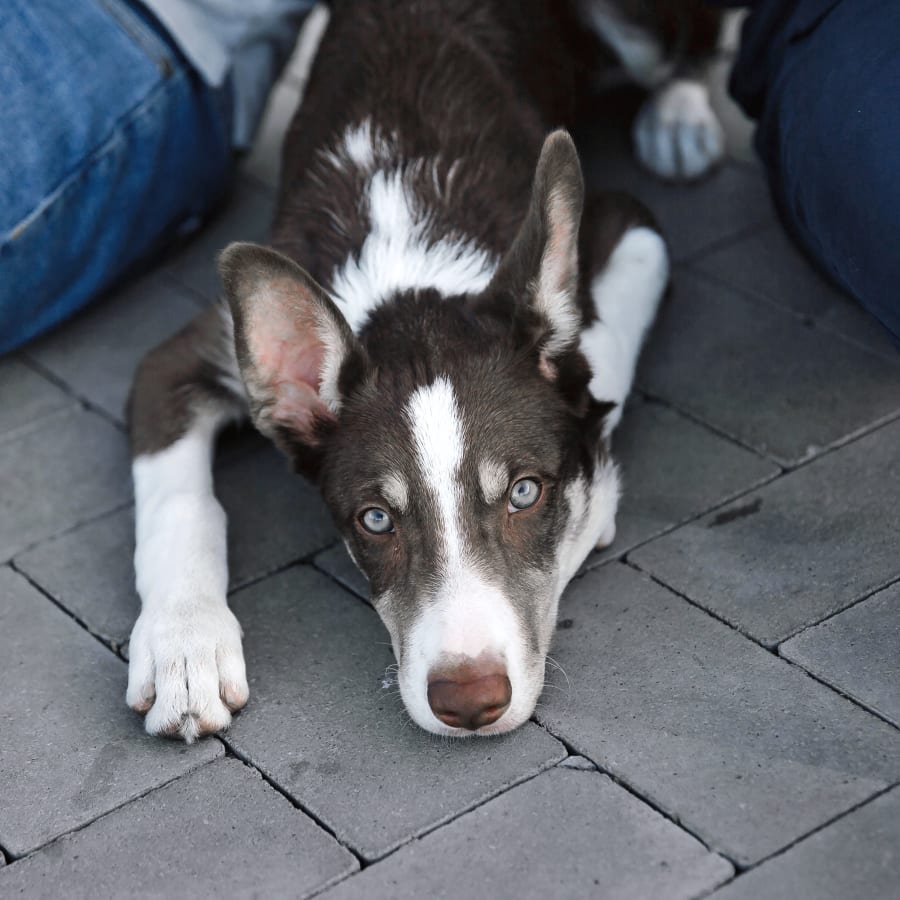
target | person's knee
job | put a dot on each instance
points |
(828, 138)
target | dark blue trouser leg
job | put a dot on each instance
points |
(829, 135)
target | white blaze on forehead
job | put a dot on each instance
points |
(493, 478)
(438, 436)
(396, 491)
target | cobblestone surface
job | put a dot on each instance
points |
(731, 706)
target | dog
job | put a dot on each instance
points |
(441, 335)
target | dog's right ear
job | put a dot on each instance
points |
(541, 267)
(291, 343)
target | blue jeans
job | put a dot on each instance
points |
(109, 144)
(823, 79)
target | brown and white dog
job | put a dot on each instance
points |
(442, 335)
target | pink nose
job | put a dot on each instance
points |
(469, 696)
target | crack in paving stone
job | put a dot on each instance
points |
(737, 512)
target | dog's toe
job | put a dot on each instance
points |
(187, 675)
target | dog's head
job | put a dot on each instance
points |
(457, 446)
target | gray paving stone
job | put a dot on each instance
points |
(768, 265)
(25, 396)
(579, 763)
(796, 550)
(760, 375)
(247, 217)
(264, 160)
(70, 749)
(562, 834)
(71, 467)
(90, 571)
(97, 352)
(731, 201)
(742, 748)
(327, 724)
(274, 518)
(858, 856)
(673, 469)
(297, 69)
(336, 562)
(857, 652)
(235, 837)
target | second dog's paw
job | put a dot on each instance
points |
(676, 133)
(186, 671)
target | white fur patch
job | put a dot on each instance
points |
(399, 255)
(493, 479)
(639, 52)
(185, 652)
(626, 296)
(396, 491)
(437, 430)
(676, 133)
(360, 146)
(592, 517)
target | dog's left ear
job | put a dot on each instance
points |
(542, 264)
(292, 344)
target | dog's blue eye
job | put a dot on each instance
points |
(524, 493)
(376, 521)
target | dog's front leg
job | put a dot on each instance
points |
(626, 268)
(186, 665)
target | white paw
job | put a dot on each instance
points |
(186, 670)
(676, 133)
(607, 537)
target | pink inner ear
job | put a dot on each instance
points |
(547, 368)
(289, 355)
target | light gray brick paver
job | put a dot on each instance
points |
(562, 834)
(768, 265)
(264, 161)
(218, 832)
(858, 652)
(26, 396)
(246, 217)
(856, 857)
(97, 353)
(325, 721)
(673, 469)
(70, 749)
(68, 468)
(796, 550)
(761, 376)
(274, 518)
(693, 217)
(739, 746)
(336, 562)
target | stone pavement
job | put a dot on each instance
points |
(722, 716)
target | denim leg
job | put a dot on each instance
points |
(110, 142)
(829, 134)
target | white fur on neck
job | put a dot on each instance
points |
(399, 253)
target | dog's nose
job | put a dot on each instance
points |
(467, 697)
